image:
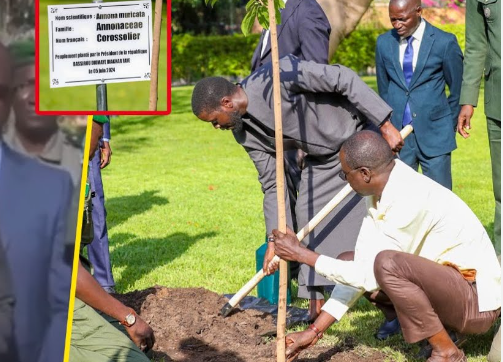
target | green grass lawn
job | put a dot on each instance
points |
(130, 96)
(185, 210)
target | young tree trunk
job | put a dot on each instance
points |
(344, 16)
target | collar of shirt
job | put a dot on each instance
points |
(416, 43)
(266, 37)
(53, 150)
(418, 34)
(378, 208)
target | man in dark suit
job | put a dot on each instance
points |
(414, 62)
(304, 32)
(322, 105)
(33, 231)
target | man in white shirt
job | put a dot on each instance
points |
(414, 62)
(419, 244)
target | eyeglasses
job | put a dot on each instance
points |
(344, 175)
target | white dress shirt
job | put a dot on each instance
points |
(416, 43)
(415, 215)
(266, 37)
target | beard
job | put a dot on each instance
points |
(236, 121)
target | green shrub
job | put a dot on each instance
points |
(458, 30)
(195, 57)
(357, 51)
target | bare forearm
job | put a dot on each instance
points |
(306, 256)
(324, 321)
(91, 293)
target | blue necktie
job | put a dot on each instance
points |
(407, 73)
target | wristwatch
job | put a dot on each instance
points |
(130, 319)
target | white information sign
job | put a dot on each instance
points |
(98, 43)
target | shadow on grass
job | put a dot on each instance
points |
(120, 209)
(133, 124)
(140, 256)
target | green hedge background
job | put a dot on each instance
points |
(195, 57)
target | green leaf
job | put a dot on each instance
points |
(248, 20)
(263, 17)
(278, 5)
(250, 5)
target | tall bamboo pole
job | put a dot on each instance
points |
(280, 182)
(152, 105)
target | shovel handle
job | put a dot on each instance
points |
(332, 204)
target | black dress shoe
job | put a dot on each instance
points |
(388, 329)
(426, 349)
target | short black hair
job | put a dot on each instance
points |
(208, 92)
(367, 148)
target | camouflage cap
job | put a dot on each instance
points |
(100, 119)
(22, 52)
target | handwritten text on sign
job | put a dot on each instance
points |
(98, 43)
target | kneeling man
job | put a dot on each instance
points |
(420, 248)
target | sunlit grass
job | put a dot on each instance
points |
(185, 210)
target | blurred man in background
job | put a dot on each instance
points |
(32, 134)
(34, 232)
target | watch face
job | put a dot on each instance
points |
(130, 319)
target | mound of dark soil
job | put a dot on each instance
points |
(189, 328)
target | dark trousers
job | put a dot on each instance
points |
(437, 168)
(98, 252)
(427, 297)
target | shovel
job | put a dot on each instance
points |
(332, 204)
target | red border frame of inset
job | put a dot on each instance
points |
(90, 112)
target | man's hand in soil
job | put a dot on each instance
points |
(288, 247)
(141, 334)
(299, 341)
(392, 136)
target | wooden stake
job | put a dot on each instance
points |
(154, 67)
(280, 182)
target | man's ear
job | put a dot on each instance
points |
(226, 102)
(366, 174)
